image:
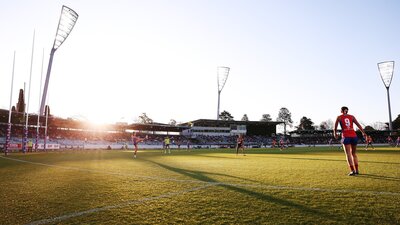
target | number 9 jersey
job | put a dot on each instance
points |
(346, 122)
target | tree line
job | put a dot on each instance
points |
(285, 116)
(305, 123)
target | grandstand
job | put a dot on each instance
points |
(202, 133)
(229, 128)
(75, 134)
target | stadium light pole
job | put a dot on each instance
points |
(66, 23)
(386, 71)
(222, 76)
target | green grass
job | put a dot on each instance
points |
(296, 186)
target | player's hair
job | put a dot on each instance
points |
(344, 109)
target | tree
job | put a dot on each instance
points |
(305, 124)
(172, 122)
(396, 123)
(379, 126)
(326, 125)
(266, 118)
(225, 115)
(47, 109)
(21, 102)
(144, 119)
(245, 117)
(286, 117)
(368, 128)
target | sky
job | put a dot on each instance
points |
(160, 57)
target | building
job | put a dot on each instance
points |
(228, 128)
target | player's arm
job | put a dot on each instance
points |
(335, 127)
(359, 126)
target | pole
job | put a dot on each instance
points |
(45, 130)
(390, 113)
(6, 147)
(222, 76)
(38, 116)
(46, 84)
(386, 70)
(219, 93)
(29, 96)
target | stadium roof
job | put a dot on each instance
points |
(156, 127)
(225, 123)
(78, 124)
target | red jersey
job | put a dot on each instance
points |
(135, 140)
(346, 122)
(240, 140)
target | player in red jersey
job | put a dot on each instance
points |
(240, 144)
(349, 138)
(135, 141)
(398, 141)
(281, 144)
(389, 140)
(368, 142)
(273, 143)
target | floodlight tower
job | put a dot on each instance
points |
(222, 76)
(386, 71)
(66, 23)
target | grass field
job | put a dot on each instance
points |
(296, 186)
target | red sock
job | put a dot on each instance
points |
(352, 168)
(356, 167)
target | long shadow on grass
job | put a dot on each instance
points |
(201, 176)
(202, 173)
(218, 157)
(317, 159)
(335, 160)
(379, 177)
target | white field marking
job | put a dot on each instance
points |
(121, 205)
(263, 186)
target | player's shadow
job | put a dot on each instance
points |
(332, 160)
(202, 176)
(386, 163)
(379, 177)
(313, 159)
(199, 175)
(213, 156)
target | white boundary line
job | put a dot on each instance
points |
(276, 187)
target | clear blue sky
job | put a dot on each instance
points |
(160, 58)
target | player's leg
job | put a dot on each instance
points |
(134, 154)
(349, 158)
(354, 156)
